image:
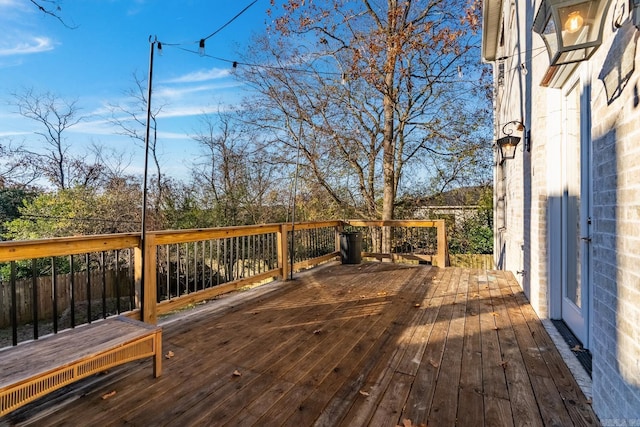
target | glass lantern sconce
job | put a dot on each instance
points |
(571, 29)
(508, 143)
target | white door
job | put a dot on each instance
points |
(576, 213)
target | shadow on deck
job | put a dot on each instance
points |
(342, 345)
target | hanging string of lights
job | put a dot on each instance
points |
(201, 42)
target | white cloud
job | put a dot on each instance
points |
(189, 110)
(170, 94)
(12, 4)
(201, 76)
(34, 45)
(9, 134)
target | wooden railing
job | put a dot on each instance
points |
(93, 277)
(409, 239)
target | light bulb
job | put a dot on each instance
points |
(574, 22)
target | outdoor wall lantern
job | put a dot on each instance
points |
(571, 29)
(508, 143)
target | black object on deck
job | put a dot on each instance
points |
(351, 247)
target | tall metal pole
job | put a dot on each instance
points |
(143, 231)
(293, 214)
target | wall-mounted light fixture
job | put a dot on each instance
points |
(571, 29)
(508, 143)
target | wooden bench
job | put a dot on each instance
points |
(33, 369)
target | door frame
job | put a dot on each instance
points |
(557, 212)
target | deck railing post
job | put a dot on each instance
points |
(283, 251)
(441, 257)
(150, 291)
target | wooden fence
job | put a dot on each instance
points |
(70, 289)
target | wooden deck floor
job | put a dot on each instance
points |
(354, 345)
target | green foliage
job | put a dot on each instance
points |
(475, 234)
(470, 230)
(11, 199)
(472, 236)
(76, 211)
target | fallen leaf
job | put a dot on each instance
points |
(317, 331)
(169, 355)
(108, 395)
(494, 314)
(504, 364)
(237, 373)
(433, 363)
(577, 348)
(408, 423)
(364, 393)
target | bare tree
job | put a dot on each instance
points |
(15, 169)
(131, 119)
(53, 158)
(234, 174)
(53, 9)
(366, 88)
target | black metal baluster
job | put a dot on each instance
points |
(72, 278)
(167, 249)
(104, 285)
(54, 291)
(34, 291)
(186, 266)
(195, 266)
(255, 263)
(88, 280)
(230, 260)
(238, 258)
(242, 259)
(218, 262)
(270, 246)
(210, 263)
(224, 259)
(203, 262)
(14, 305)
(117, 255)
(178, 268)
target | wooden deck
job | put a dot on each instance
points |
(343, 345)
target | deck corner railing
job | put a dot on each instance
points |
(53, 284)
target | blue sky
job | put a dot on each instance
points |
(93, 63)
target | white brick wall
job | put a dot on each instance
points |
(616, 234)
(528, 234)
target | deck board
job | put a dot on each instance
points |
(351, 345)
